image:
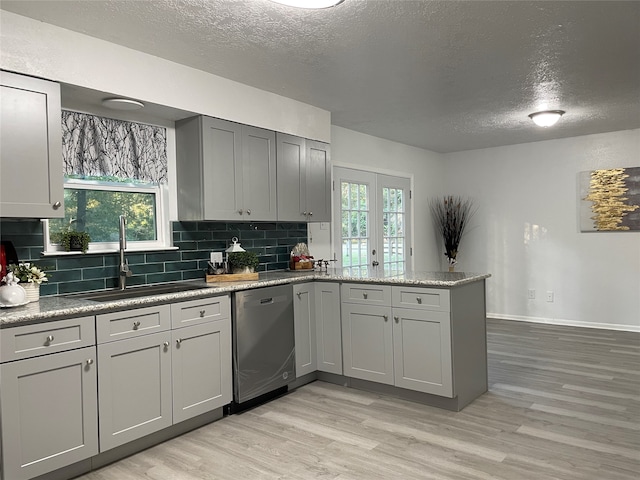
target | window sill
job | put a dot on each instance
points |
(104, 251)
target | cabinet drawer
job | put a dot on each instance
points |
(433, 299)
(204, 310)
(366, 294)
(132, 323)
(43, 338)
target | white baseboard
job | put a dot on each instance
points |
(569, 323)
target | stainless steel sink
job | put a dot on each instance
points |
(135, 292)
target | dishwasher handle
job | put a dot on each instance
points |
(266, 301)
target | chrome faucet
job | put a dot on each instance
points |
(124, 264)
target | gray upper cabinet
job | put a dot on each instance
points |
(304, 179)
(226, 171)
(30, 148)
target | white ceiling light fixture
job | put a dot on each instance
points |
(315, 4)
(118, 103)
(546, 118)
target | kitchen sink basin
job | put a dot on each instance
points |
(135, 292)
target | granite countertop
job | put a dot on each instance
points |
(56, 307)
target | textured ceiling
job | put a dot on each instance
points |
(442, 75)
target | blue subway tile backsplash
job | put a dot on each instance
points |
(69, 274)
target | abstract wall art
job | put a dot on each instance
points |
(610, 200)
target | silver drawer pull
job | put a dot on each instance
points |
(49, 339)
(386, 317)
(136, 324)
(89, 361)
(365, 295)
(419, 300)
(248, 211)
(166, 344)
(178, 341)
(202, 313)
(299, 294)
(57, 205)
(397, 319)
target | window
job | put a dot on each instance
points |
(94, 206)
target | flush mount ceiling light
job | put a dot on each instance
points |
(309, 3)
(122, 104)
(546, 118)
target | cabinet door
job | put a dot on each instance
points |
(257, 188)
(305, 328)
(318, 189)
(201, 368)
(134, 388)
(30, 148)
(367, 342)
(422, 351)
(328, 327)
(222, 169)
(292, 178)
(49, 412)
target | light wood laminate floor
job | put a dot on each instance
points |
(563, 403)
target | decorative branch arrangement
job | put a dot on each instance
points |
(450, 216)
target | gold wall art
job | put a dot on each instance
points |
(610, 200)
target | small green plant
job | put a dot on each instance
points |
(72, 240)
(242, 260)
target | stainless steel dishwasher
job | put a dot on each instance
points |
(263, 342)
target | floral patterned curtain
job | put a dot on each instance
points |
(104, 147)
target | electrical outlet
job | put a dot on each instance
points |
(531, 294)
(216, 257)
(549, 296)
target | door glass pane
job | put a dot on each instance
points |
(393, 217)
(355, 224)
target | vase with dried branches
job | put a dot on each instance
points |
(451, 215)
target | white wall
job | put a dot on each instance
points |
(526, 232)
(43, 50)
(357, 150)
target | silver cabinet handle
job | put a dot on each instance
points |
(397, 319)
(311, 214)
(365, 295)
(248, 211)
(89, 361)
(299, 294)
(305, 213)
(240, 211)
(50, 339)
(166, 344)
(202, 313)
(56, 205)
(136, 324)
(386, 317)
(419, 300)
(178, 341)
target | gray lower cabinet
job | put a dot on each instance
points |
(48, 403)
(398, 336)
(30, 148)
(328, 327)
(134, 388)
(367, 342)
(201, 368)
(304, 314)
(304, 179)
(227, 171)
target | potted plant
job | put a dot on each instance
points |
(243, 262)
(450, 216)
(73, 241)
(30, 276)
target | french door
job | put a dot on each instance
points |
(372, 221)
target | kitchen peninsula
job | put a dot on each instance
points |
(416, 336)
